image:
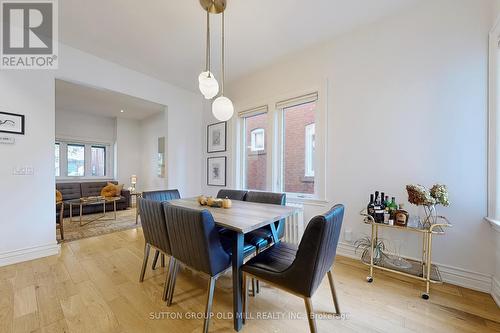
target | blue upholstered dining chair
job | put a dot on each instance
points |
(300, 270)
(232, 194)
(160, 196)
(155, 235)
(263, 237)
(195, 242)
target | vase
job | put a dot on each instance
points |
(430, 216)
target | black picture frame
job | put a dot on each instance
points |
(224, 148)
(224, 158)
(12, 115)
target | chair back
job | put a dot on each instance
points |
(153, 224)
(318, 248)
(195, 239)
(162, 195)
(232, 194)
(270, 198)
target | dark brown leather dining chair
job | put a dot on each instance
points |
(300, 270)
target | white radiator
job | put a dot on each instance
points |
(294, 226)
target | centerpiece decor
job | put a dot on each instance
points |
(429, 199)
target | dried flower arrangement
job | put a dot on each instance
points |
(429, 199)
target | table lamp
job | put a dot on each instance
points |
(133, 181)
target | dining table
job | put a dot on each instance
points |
(243, 217)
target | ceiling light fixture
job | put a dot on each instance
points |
(121, 111)
(207, 83)
(222, 107)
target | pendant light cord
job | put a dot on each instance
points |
(222, 57)
(207, 55)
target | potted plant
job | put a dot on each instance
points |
(365, 243)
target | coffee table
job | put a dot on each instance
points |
(91, 201)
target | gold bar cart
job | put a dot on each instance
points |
(422, 270)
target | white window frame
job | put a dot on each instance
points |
(309, 150)
(253, 140)
(274, 107)
(63, 160)
(256, 111)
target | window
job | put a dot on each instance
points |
(98, 161)
(255, 157)
(310, 149)
(282, 149)
(57, 153)
(298, 128)
(76, 160)
(83, 160)
(257, 139)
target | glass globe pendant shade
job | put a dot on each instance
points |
(222, 108)
(208, 85)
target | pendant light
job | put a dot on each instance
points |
(207, 83)
(222, 107)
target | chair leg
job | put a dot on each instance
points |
(334, 294)
(310, 315)
(245, 298)
(173, 278)
(162, 260)
(257, 283)
(210, 298)
(168, 279)
(147, 249)
(254, 289)
(155, 260)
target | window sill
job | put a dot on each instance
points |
(82, 179)
(306, 201)
(495, 224)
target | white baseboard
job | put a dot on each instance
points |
(495, 290)
(452, 275)
(14, 257)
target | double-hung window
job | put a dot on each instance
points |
(255, 158)
(297, 145)
(278, 148)
(82, 160)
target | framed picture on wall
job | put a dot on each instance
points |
(216, 171)
(216, 137)
(11, 123)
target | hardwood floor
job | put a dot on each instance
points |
(92, 286)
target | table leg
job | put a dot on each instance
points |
(274, 232)
(71, 212)
(237, 260)
(114, 207)
(81, 213)
(136, 213)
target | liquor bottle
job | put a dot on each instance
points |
(401, 216)
(371, 207)
(379, 209)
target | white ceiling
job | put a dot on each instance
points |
(166, 39)
(72, 97)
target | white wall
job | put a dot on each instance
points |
(153, 128)
(84, 126)
(128, 149)
(407, 103)
(29, 233)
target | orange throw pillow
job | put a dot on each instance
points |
(111, 190)
(58, 196)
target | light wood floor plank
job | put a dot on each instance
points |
(92, 286)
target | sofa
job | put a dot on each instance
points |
(77, 190)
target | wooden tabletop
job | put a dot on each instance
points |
(243, 216)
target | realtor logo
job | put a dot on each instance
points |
(29, 34)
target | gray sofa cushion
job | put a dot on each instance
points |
(93, 189)
(69, 191)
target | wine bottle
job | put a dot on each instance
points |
(371, 207)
